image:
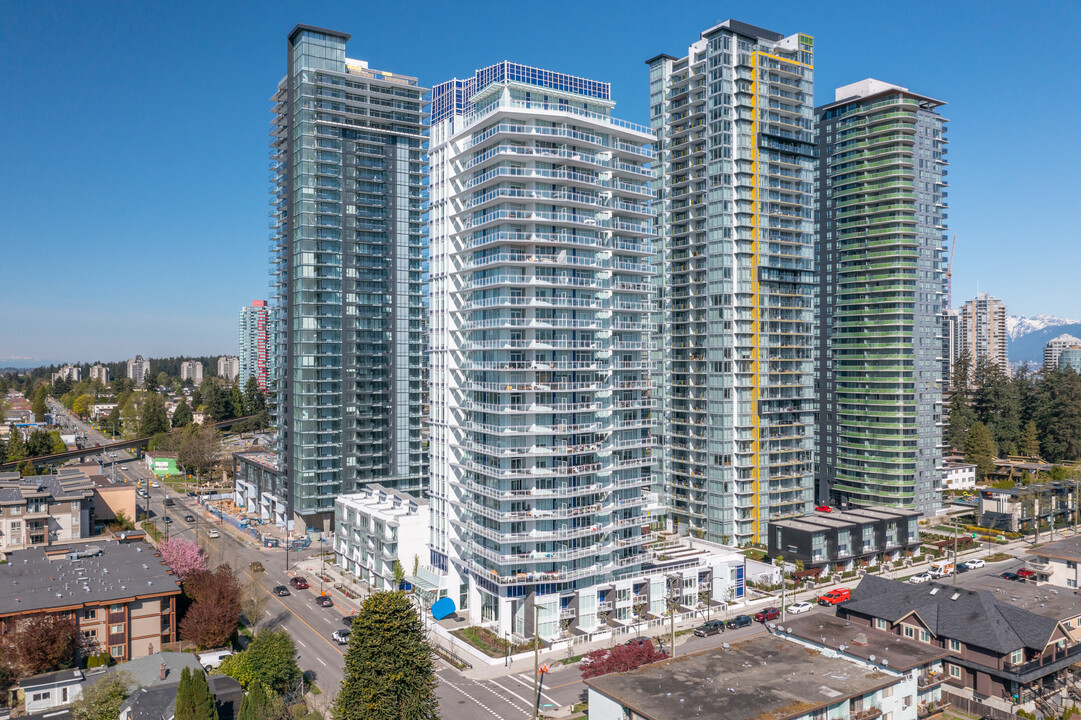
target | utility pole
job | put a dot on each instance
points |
(536, 655)
(955, 554)
(672, 613)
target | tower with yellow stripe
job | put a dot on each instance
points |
(733, 361)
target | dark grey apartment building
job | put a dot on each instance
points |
(880, 221)
(349, 269)
(845, 540)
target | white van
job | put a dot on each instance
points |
(942, 568)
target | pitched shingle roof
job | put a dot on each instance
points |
(973, 617)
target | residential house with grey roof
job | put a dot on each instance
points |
(997, 650)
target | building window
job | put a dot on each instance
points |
(887, 692)
(117, 651)
(38, 697)
(955, 671)
(881, 624)
(90, 634)
(1017, 657)
(90, 614)
(955, 646)
(925, 636)
(119, 607)
(910, 632)
(116, 629)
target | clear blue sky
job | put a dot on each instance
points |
(133, 138)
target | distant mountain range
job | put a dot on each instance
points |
(1029, 335)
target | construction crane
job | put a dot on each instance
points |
(949, 273)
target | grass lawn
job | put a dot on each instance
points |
(152, 530)
(998, 557)
(755, 554)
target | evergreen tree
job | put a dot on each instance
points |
(113, 421)
(205, 709)
(182, 416)
(37, 402)
(254, 704)
(1058, 419)
(17, 446)
(27, 469)
(389, 671)
(237, 402)
(1030, 440)
(184, 708)
(153, 419)
(255, 401)
(980, 449)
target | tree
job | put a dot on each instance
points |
(1058, 417)
(121, 523)
(81, 406)
(39, 643)
(56, 443)
(102, 700)
(262, 704)
(113, 421)
(17, 449)
(153, 418)
(212, 619)
(980, 449)
(39, 443)
(37, 405)
(129, 418)
(621, 658)
(1030, 441)
(184, 707)
(270, 661)
(399, 574)
(254, 398)
(182, 416)
(198, 449)
(61, 386)
(198, 700)
(183, 556)
(389, 671)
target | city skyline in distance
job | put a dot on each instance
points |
(161, 233)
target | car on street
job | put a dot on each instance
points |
(823, 508)
(800, 607)
(299, 583)
(639, 642)
(770, 613)
(962, 568)
(168, 502)
(739, 621)
(212, 659)
(920, 578)
(348, 619)
(143, 493)
(324, 601)
(974, 563)
(168, 520)
(213, 534)
(1025, 573)
(1010, 576)
(341, 636)
(256, 566)
(281, 591)
(155, 484)
(709, 628)
(189, 518)
(835, 596)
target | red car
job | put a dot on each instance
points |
(299, 583)
(823, 508)
(1025, 573)
(771, 613)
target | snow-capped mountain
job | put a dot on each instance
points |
(1018, 326)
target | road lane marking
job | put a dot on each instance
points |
(328, 620)
(476, 702)
(293, 613)
(529, 686)
(527, 702)
(321, 660)
(301, 642)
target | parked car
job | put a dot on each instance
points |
(1010, 576)
(324, 601)
(823, 508)
(1025, 573)
(281, 591)
(639, 642)
(256, 566)
(921, 578)
(962, 568)
(213, 534)
(299, 583)
(348, 619)
(168, 520)
(212, 659)
(341, 636)
(155, 484)
(770, 613)
(738, 622)
(974, 563)
(800, 607)
(835, 596)
(709, 628)
(189, 518)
